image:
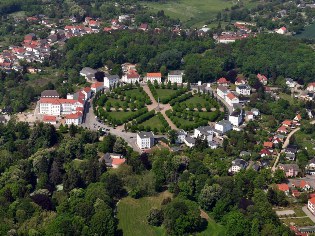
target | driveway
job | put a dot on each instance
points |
(308, 213)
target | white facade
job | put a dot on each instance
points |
(231, 99)
(223, 126)
(311, 205)
(222, 91)
(189, 141)
(181, 134)
(243, 90)
(204, 132)
(75, 119)
(56, 107)
(145, 140)
(110, 80)
(235, 120)
(50, 109)
(128, 79)
(175, 77)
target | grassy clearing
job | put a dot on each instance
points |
(308, 33)
(113, 101)
(287, 97)
(132, 215)
(119, 114)
(165, 93)
(153, 122)
(195, 100)
(213, 229)
(298, 221)
(305, 141)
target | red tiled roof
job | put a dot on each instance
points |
(223, 80)
(132, 74)
(50, 100)
(154, 75)
(312, 200)
(283, 129)
(265, 151)
(118, 161)
(87, 89)
(49, 118)
(298, 117)
(261, 77)
(97, 85)
(287, 122)
(283, 187)
(74, 116)
(231, 96)
(268, 144)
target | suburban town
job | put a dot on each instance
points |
(133, 118)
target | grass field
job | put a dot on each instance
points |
(153, 122)
(305, 141)
(132, 215)
(308, 33)
(165, 93)
(213, 229)
(195, 100)
(136, 93)
(119, 114)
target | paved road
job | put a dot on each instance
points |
(163, 107)
(308, 213)
(93, 124)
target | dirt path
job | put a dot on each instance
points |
(163, 107)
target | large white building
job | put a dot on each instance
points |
(56, 107)
(131, 77)
(110, 80)
(231, 99)
(75, 118)
(154, 77)
(243, 89)
(204, 132)
(236, 117)
(223, 126)
(238, 165)
(222, 91)
(311, 205)
(145, 140)
(175, 76)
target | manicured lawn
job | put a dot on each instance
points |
(119, 114)
(132, 215)
(305, 141)
(298, 221)
(136, 93)
(213, 229)
(195, 100)
(165, 93)
(153, 122)
(113, 101)
(207, 115)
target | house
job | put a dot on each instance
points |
(88, 73)
(287, 123)
(231, 99)
(268, 145)
(256, 166)
(223, 82)
(223, 126)
(189, 141)
(310, 167)
(311, 87)
(238, 165)
(131, 77)
(282, 30)
(75, 118)
(262, 79)
(213, 144)
(144, 27)
(87, 91)
(49, 94)
(265, 152)
(154, 77)
(123, 18)
(290, 170)
(181, 134)
(222, 91)
(249, 115)
(50, 119)
(240, 81)
(175, 76)
(97, 86)
(255, 111)
(297, 118)
(282, 130)
(311, 205)
(284, 188)
(236, 117)
(305, 186)
(110, 80)
(145, 140)
(112, 160)
(204, 132)
(290, 82)
(243, 89)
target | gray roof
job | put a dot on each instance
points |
(237, 112)
(290, 156)
(205, 130)
(88, 71)
(146, 135)
(110, 77)
(190, 140)
(291, 150)
(239, 162)
(176, 72)
(287, 167)
(244, 86)
(224, 122)
(181, 132)
(49, 93)
(223, 89)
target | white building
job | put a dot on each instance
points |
(189, 141)
(236, 117)
(204, 132)
(175, 76)
(75, 118)
(181, 134)
(98, 86)
(282, 30)
(56, 107)
(88, 73)
(290, 82)
(222, 91)
(231, 99)
(110, 80)
(311, 87)
(50, 119)
(131, 77)
(154, 77)
(238, 165)
(311, 205)
(243, 89)
(223, 126)
(87, 91)
(145, 140)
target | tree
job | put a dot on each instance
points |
(209, 195)
(120, 146)
(155, 217)
(103, 222)
(55, 174)
(172, 135)
(279, 176)
(72, 130)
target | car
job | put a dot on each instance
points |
(131, 137)
(107, 129)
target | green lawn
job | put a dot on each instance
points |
(195, 100)
(119, 114)
(136, 93)
(113, 101)
(132, 215)
(213, 229)
(308, 33)
(153, 122)
(165, 93)
(305, 141)
(194, 12)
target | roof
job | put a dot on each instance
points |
(189, 139)
(261, 77)
(298, 117)
(88, 71)
(118, 161)
(132, 74)
(205, 130)
(312, 200)
(265, 151)
(223, 80)
(222, 88)
(50, 100)
(74, 116)
(312, 161)
(239, 162)
(87, 89)
(112, 77)
(176, 72)
(154, 75)
(243, 86)
(97, 85)
(240, 80)
(49, 118)
(287, 167)
(268, 144)
(283, 128)
(146, 135)
(231, 96)
(283, 187)
(287, 122)
(49, 93)
(237, 113)
(224, 122)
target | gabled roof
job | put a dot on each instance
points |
(74, 116)
(283, 187)
(132, 74)
(261, 77)
(312, 200)
(268, 144)
(231, 96)
(266, 152)
(87, 89)
(223, 80)
(154, 74)
(49, 118)
(287, 122)
(146, 135)
(97, 85)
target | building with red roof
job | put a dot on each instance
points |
(75, 118)
(287, 123)
(240, 81)
(284, 188)
(231, 99)
(131, 77)
(97, 87)
(282, 130)
(154, 76)
(265, 152)
(311, 205)
(268, 145)
(87, 91)
(50, 119)
(223, 82)
(262, 79)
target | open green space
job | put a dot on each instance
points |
(305, 141)
(119, 114)
(136, 93)
(213, 229)
(153, 122)
(298, 221)
(132, 214)
(165, 93)
(198, 99)
(308, 33)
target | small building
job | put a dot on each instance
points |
(268, 145)
(311, 87)
(75, 118)
(290, 82)
(145, 140)
(304, 185)
(262, 79)
(189, 141)
(290, 170)
(175, 76)
(311, 205)
(50, 94)
(204, 132)
(255, 111)
(131, 77)
(112, 160)
(284, 188)
(282, 130)
(181, 134)
(249, 115)
(88, 73)
(50, 119)
(297, 118)
(287, 123)
(236, 117)
(238, 165)
(222, 91)
(154, 77)
(111, 80)
(282, 30)
(97, 86)
(265, 152)
(223, 82)
(240, 81)
(231, 99)
(223, 126)
(243, 89)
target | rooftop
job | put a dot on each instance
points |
(146, 135)
(49, 93)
